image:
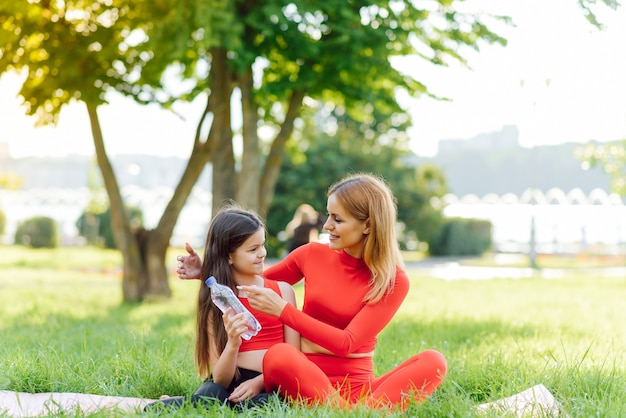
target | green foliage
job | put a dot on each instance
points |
(97, 229)
(69, 51)
(80, 50)
(37, 232)
(611, 157)
(420, 218)
(460, 236)
(178, 35)
(589, 7)
(307, 173)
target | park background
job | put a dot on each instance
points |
(506, 108)
(500, 107)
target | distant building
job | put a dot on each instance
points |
(507, 137)
(495, 162)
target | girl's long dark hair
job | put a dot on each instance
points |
(229, 229)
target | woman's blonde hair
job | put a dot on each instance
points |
(369, 199)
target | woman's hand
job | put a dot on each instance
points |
(189, 266)
(247, 390)
(264, 299)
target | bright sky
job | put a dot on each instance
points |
(585, 98)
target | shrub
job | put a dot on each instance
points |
(460, 236)
(37, 232)
(97, 228)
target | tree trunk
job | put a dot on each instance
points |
(271, 170)
(221, 135)
(154, 243)
(248, 179)
(143, 251)
(134, 279)
(153, 267)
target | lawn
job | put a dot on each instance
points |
(63, 328)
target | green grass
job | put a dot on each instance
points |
(63, 328)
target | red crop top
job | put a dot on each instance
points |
(272, 330)
(333, 314)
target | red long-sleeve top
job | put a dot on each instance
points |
(333, 314)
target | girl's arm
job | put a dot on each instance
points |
(247, 389)
(224, 364)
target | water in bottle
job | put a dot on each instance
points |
(224, 298)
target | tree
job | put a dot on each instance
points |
(273, 55)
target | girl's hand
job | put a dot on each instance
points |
(246, 390)
(264, 299)
(235, 326)
(189, 267)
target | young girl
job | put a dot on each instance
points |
(234, 254)
(354, 285)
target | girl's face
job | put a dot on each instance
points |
(346, 232)
(247, 259)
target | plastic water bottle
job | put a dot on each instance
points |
(224, 298)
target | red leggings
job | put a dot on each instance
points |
(313, 378)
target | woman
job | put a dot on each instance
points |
(353, 287)
(304, 227)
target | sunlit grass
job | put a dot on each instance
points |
(63, 328)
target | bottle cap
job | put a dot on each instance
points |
(210, 281)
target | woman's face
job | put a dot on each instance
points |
(247, 259)
(346, 232)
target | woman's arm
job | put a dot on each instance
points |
(189, 266)
(365, 325)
